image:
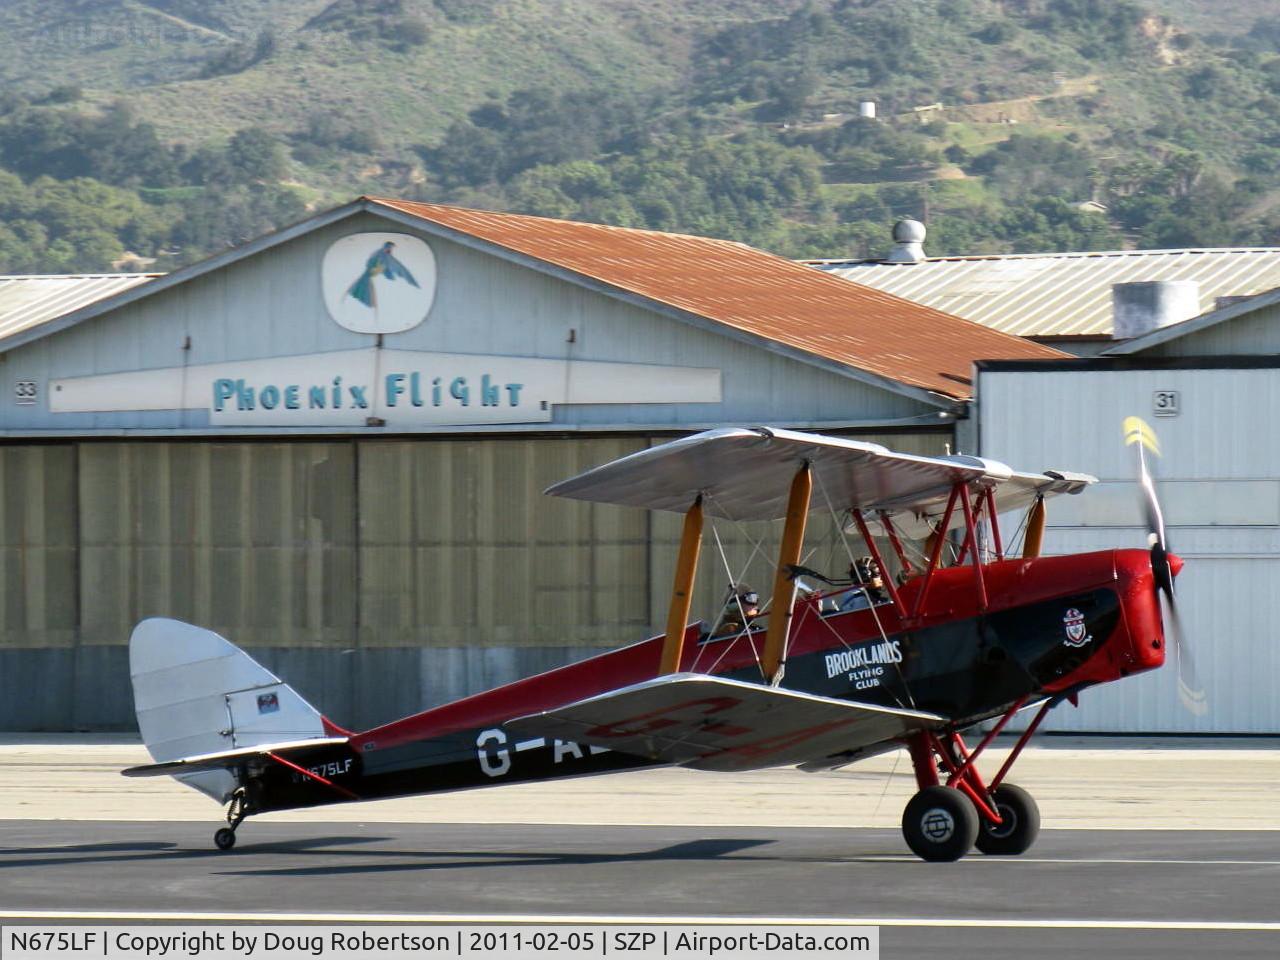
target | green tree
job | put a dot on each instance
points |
(255, 155)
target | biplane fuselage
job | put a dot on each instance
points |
(958, 632)
(953, 660)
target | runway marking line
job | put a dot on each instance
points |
(907, 858)
(489, 918)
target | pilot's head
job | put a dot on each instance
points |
(748, 599)
(866, 572)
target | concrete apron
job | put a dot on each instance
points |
(1080, 783)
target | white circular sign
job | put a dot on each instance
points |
(378, 282)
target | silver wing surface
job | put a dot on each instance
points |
(745, 474)
(710, 723)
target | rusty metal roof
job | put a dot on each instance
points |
(1059, 294)
(28, 302)
(757, 293)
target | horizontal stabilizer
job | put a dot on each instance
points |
(231, 759)
(711, 723)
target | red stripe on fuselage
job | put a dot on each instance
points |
(952, 596)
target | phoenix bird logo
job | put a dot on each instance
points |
(382, 263)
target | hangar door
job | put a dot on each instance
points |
(1220, 490)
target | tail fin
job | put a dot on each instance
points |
(196, 693)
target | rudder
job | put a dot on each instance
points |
(195, 693)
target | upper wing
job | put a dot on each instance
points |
(711, 723)
(745, 474)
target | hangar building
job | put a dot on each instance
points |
(1081, 302)
(1208, 385)
(329, 444)
(1187, 339)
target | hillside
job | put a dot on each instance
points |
(195, 68)
(171, 128)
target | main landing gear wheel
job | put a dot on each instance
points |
(1019, 823)
(224, 839)
(940, 824)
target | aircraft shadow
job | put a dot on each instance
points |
(349, 855)
(397, 861)
(154, 850)
(470, 859)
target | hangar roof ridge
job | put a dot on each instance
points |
(767, 297)
(102, 275)
(1062, 294)
(1041, 255)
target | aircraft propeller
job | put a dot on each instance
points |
(1139, 434)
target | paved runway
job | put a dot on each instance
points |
(1112, 893)
(1080, 783)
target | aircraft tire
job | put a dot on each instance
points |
(1021, 826)
(224, 839)
(940, 824)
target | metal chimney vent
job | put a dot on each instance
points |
(1141, 307)
(908, 242)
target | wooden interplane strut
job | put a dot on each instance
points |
(682, 589)
(1035, 530)
(784, 588)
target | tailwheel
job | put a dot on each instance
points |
(940, 824)
(1019, 823)
(225, 837)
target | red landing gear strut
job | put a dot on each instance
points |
(944, 820)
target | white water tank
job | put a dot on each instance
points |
(867, 109)
(1140, 307)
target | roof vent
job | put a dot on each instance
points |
(908, 242)
(1140, 307)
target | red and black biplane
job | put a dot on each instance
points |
(953, 634)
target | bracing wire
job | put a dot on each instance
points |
(865, 592)
(737, 599)
(1015, 544)
(897, 756)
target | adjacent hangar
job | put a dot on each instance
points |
(1081, 302)
(1208, 386)
(330, 444)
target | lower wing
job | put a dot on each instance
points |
(711, 723)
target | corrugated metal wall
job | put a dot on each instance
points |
(458, 546)
(378, 576)
(38, 602)
(254, 540)
(1256, 333)
(1221, 494)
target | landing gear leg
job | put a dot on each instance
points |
(225, 838)
(942, 822)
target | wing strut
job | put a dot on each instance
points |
(784, 587)
(1035, 530)
(682, 589)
